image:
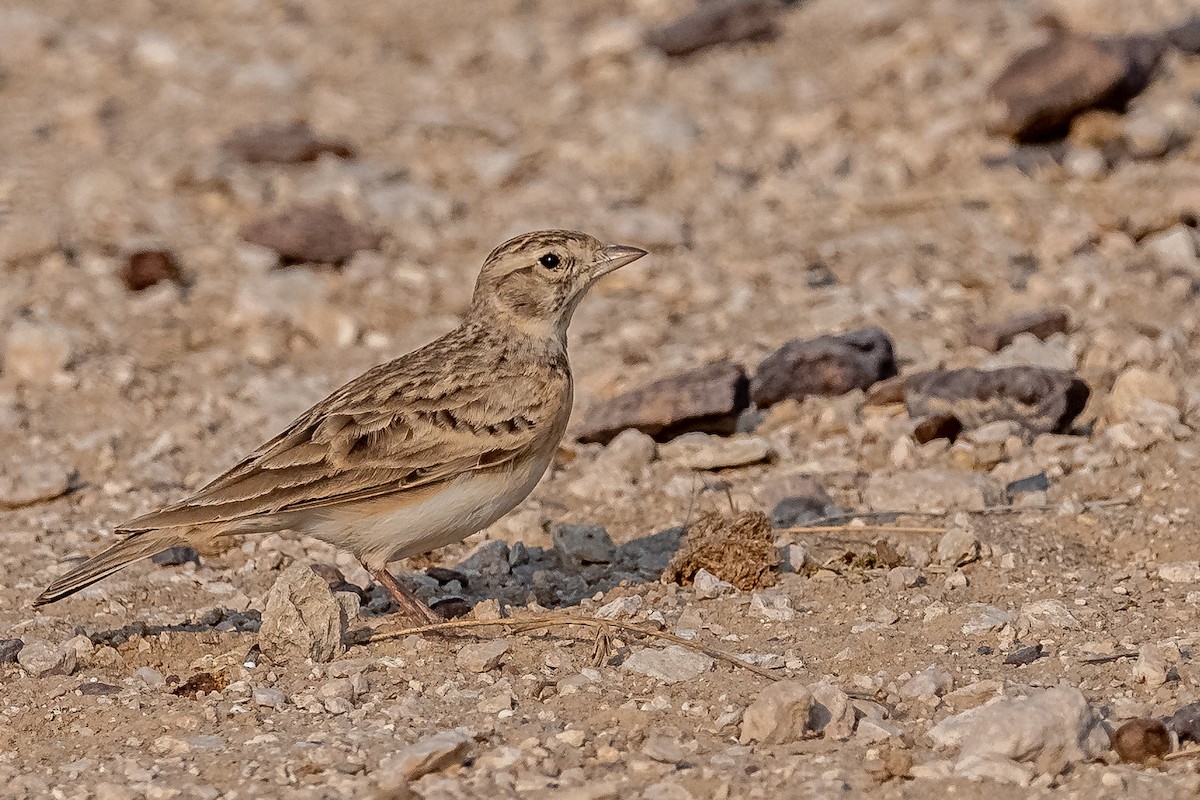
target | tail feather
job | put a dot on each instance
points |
(135, 547)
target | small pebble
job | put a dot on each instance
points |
(174, 556)
(149, 677)
(41, 659)
(480, 657)
(1026, 655)
(268, 697)
(146, 268)
(670, 665)
(428, 755)
(9, 648)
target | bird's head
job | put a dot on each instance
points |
(534, 281)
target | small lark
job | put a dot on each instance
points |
(416, 453)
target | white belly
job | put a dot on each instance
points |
(386, 531)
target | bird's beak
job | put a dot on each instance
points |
(615, 256)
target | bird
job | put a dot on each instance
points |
(415, 453)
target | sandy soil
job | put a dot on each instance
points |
(835, 177)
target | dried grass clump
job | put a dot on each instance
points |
(739, 549)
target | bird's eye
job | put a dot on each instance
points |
(549, 261)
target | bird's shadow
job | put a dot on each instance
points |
(216, 619)
(551, 577)
(510, 574)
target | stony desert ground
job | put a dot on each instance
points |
(977, 603)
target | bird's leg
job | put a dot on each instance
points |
(410, 605)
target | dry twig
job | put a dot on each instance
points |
(859, 528)
(523, 624)
(1091, 505)
(1193, 752)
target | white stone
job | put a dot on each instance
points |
(42, 659)
(780, 714)
(777, 607)
(149, 677)
(616, 469)
(903, 577)
(302, 618)
(929, 682)
(708, 586)
(621, 607)
(1180, 572)
(616, 37)
(1050, 729)
(430, 754)
(932, 490)
(1176, 247)
(957, 547)
(268, 697)
(832, 715)
(1141, 396)
(994, 768)
(156, 50)
(872, 731)
(797, 557)
(1086, 163)
(1044, 615)
(481, 656)
(580, 545)
(1151, 666)
(702, 451)
(1054, 352)
(989, 619)
(1147, 135)
(673, 664)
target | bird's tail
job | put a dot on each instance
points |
(135, 547)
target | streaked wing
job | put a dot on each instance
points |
(391, 430)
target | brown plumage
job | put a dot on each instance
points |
(415, 453)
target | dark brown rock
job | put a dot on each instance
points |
(1043, 324)
(718, 22)
(707, 399)
(1043, 400)
(1141, 740)
(451, 607)
(202, 683)
(826, 366)
(282, 143)
(1041, 90)
(938, 426)
(310, 233)
(145, 268)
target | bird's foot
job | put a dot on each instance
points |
(410, 605)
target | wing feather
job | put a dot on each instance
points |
(391, 430)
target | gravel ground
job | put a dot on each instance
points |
(834, 177)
